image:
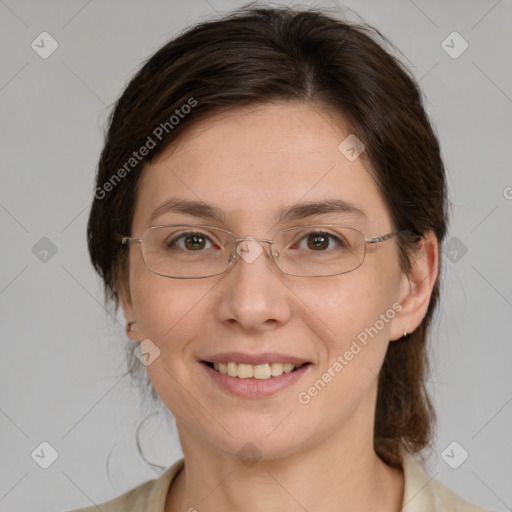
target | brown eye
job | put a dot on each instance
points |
(189, 242)
(195, 242)
(318, 241)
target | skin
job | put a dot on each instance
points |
(250, 163)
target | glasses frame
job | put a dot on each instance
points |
(233, 258)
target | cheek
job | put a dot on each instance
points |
(352, 314)
(169, 314)
(350, 303)
(351, 318)
(164, 306)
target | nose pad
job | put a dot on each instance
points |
(249, 249)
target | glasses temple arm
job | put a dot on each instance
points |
(381, 238)
(127, 240)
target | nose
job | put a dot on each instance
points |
(252, 293)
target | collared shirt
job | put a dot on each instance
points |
(421, 493)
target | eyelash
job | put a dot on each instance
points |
(175, 240)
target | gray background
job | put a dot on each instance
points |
(62, 358)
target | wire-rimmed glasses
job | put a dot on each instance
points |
(183, 251)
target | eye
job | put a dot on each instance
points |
(191, 242)
(321, 241)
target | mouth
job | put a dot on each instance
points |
(254, 376)
(263, 371)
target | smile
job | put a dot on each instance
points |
(257, 380)
(262, 371)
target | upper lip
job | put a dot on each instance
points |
(267, 357)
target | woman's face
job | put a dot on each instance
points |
(250, 165)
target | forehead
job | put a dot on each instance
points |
(254, 162)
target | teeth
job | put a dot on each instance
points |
(259, 371)
(232, 369)
(262, 371)
(287, 367)
(245, 371)
(276, 369)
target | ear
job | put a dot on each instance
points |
(416, 287)
(129, 313)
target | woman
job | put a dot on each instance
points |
(269, 209)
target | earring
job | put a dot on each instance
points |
(405, 334)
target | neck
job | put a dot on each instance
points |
(332, 476)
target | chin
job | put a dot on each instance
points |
(256, 440)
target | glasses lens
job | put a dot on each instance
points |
(186, 251)
(315, 251)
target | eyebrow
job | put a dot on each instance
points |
(193, 208)
(309, 209)
(295, 212)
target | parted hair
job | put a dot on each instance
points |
(260, 54)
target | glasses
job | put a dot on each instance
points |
(182, 251)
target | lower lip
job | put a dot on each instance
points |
(255, 388)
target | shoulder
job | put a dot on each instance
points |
(150, 495)
(423, 493)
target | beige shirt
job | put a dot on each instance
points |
(421, 493)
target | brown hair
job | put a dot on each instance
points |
(256, 55)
